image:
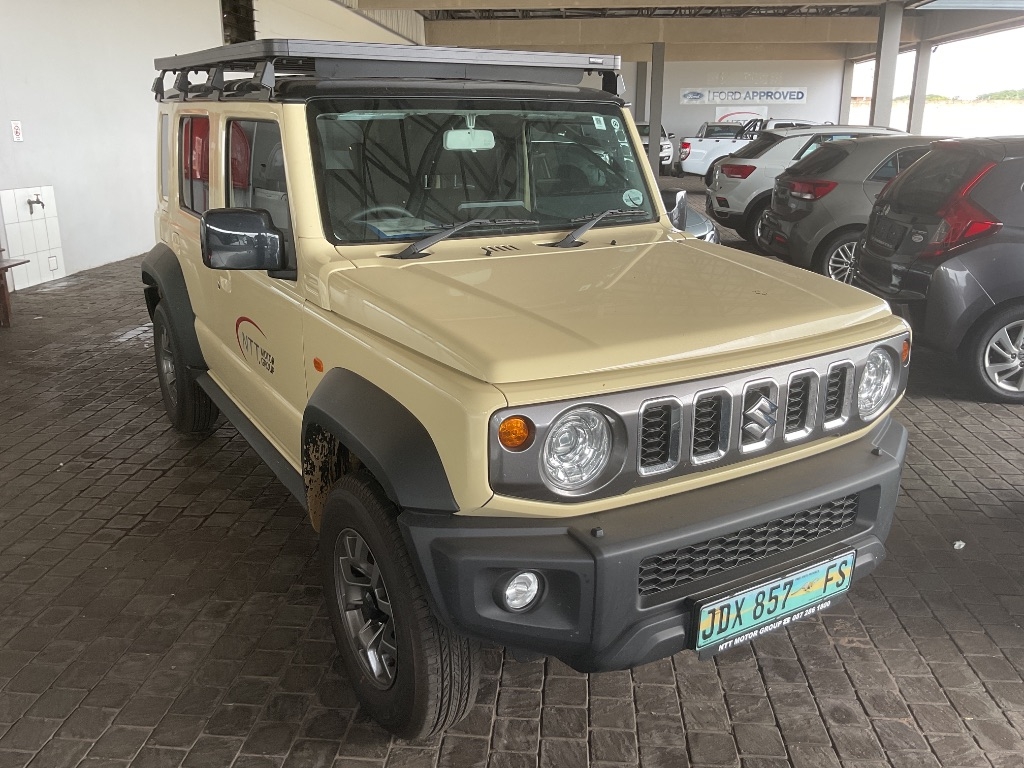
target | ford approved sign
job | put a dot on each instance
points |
(744, 95)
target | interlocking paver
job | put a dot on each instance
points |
(160, 605)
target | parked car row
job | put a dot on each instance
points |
(931, 224)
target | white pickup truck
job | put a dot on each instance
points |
(698, 154)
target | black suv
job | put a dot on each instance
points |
(945, 246)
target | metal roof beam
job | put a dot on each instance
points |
(441, 5)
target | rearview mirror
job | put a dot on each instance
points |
(241, 238)
(468, 140)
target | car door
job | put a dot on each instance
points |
(259, 324)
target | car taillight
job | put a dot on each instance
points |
(962, 219)
(684, 150)
(810, 190)
(737, 171)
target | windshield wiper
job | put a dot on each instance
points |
(417, 250)
(573, 238)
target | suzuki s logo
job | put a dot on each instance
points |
(760, 418)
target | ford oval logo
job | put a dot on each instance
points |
(693, 96)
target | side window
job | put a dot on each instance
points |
(194, 171)
(907, 157)
(256, 174)
(887, 170)
(165, 155)
(815, 142)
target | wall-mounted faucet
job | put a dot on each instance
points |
(32, 203)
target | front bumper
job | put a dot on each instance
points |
(592, 615)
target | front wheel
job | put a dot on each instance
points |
(189, 408)
(994, 357)
(837, 257)
(410, 673)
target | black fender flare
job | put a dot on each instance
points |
(165, 282)
(385, 436)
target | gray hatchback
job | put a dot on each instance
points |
(945, 247)
(821, 204)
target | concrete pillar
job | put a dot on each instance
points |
(847, 93)
(657, 96)
(890, 25)
(919, 91)
(640, 102)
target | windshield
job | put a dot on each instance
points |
(926, 187)
(401, 169)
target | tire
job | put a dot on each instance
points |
(761, 239)
(709, 177)
(836, 257)
(420, 677)
(993, 356)
(748, 228)
(188, 407)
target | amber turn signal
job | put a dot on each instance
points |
(318, 365)
(905, 352)
(515, 432)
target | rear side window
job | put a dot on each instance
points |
(819, 162)
(758, 146)
(924, 188)
(820, 139)
(907, 157)
(721, 131)
(886, 170)
(194, 171)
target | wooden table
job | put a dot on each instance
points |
(5, 296)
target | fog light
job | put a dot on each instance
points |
(521, 590)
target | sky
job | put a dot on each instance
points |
(959, 70)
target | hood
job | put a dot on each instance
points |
(558, 312)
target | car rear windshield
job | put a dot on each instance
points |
(722, 131)
(930, 182)
(820, 161)
(758, 146)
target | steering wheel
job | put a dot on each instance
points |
(396, 210)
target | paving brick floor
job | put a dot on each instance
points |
(159, 603)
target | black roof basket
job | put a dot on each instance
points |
(267, 59)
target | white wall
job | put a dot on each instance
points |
(823, 80)
(77, 75)
(322, 20)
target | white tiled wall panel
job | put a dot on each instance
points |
(33, 234)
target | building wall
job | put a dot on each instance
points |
(78, 77)
(823, 81)
(329, 20)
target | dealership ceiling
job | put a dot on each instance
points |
(700, 31)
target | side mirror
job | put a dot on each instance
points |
(241, 238)
(671, 135)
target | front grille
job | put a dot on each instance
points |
(797, 403)
(681, 566)
(707, 425)
(835, 394)
(656, 436)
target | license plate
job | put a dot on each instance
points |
(887, 233)
(728, 621)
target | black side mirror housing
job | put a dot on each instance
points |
(241, 238)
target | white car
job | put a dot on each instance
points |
(697, 154)
(667, 153)
(741, 184)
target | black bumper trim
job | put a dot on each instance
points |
(591, 615)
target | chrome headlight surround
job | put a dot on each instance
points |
(877, 382)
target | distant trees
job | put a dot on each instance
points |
(1009, 95)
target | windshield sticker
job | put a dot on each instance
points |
(633, 198)
(616, 125)
(598, 122)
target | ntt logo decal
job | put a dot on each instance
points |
(253, 350)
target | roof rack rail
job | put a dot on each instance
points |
(267, 59)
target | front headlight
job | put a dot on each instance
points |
(576, 450)
(876, 383)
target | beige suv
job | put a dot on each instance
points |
(437, 292)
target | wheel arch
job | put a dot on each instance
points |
(753, 205)
(971, 330)
(819, 247)
(164, 281)
(350, 422)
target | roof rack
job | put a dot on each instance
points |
(327, 60)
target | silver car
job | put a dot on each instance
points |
(821, 204)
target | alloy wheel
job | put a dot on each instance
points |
(165, 362)
(840, 263)
(1004, 357)
(366, 609)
